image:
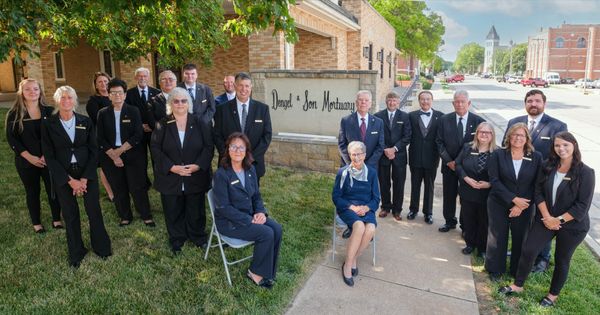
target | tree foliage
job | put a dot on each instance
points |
(419, 31)
(178, 31)
(469, 58)
(502, 60)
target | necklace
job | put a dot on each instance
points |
(68, 125)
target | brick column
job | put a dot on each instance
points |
(266, 51)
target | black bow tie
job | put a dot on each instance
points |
(424, 113)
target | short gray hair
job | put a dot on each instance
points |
(165, 73)
(357, 145)
(461, 93)
(65, 89)
(179, 92)
(366, 92)
(141, 69)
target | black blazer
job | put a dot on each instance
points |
(58, 148)
(204, 103)
(258, 129)
(447, 139)
(133, 98)
(541, 138)
(423, 151)
(166, 149)
(236, 204)
(156, 110)
(30, 139)
(466, 165)
(574, 195)
(505, 186)
(397, 136)
(95, 104)
(221, 99)
(350, 131)
(131, 132)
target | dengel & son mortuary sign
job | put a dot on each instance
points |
(310, 106)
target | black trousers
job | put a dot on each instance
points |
(450, 190)
(185, 218)
(475, 223)
(129, 179)
(499, 225)
(426, 176)
(566, 243)
(98, 236)
(395, 182)
(30, 176)
(267, 239)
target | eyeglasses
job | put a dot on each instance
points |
(237, 148)
(117, 93)
(355, 155)
(168, 80)
(180, 101)
(489, 133)
(518, 135)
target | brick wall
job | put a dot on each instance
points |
(225, 62)
(313, 51)
(266, 51)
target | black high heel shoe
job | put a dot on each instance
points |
(348, 281)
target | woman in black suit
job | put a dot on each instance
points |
(183, 150)
(121, 152)
(472, 170)
(563, 197)
(97, 102)
(513, 172)
(23, 124)
(240, 212)
(69, 146)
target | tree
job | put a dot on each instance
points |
(519, 58)
(178, 30)
(501, 61)
(418, 30)
(469, 58)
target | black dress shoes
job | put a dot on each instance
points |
(348, 281)
(507, 290)
(347, 232)
(541, 266)
(263, 283)
(468, 250)
(428, 219)
(411, 215)
(355, 272)
(495, 277)
(446, 227)
(546, 302)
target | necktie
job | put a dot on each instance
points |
(144, 99)
(191, 93)
(460, 128)
(424, 113)
(363, 130)
(531, 126)
(391, 120)
(244, 116)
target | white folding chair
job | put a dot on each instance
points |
(338, 223)
(232, 242)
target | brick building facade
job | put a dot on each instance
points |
(571, 50)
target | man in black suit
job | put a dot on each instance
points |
(423, 155)
(455, 130)
(542, 129)
(156, 109)
(397, 133)
(229, 86)
(361, 126)
(246, 115)
(202, 96)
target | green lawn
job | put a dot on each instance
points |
(143, 276)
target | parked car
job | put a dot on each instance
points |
(534, 82)
(456, 78)
(500, 78)
(584, 83)
(552, 77)
(514, 79)
(596, 84)
(567, 81)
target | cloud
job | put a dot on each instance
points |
(575, 5)
(508, 7)
(453, 28)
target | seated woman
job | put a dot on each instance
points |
(240, 212)
(356, 198)
(563, 196)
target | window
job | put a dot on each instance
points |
(560, 42)
(59, 67)
(581, 42)
(106, 63)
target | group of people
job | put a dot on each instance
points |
(180, 125)
(534, 185)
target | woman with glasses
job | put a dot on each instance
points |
(97, 102)
(121, 150)
(240, 212)
(513, 173)
(356, 198)
(182, 147)
(472, 171)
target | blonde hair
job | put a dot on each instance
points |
(19, 107)
(528, 146)
(493, 145)
(65, 89)
(179, 92)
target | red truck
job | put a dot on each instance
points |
(456, 78)
(534, 82)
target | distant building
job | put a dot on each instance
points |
(407, 65)
(492, 46)
(573, 51)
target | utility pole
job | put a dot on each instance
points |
(510, 62)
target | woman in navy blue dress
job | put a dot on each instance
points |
(356, 198)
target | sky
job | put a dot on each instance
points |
(469, 21)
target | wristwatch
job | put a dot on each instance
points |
(562, 220)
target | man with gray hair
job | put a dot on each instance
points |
(455, 130)
(157, 106)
